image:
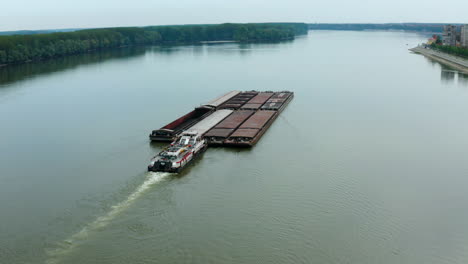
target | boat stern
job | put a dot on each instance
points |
(162, 166)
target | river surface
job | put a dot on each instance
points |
(368, 164)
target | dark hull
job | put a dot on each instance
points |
(168, 138)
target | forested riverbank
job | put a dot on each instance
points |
(23, 48)
(414, 27)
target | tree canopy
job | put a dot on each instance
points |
(24, 48)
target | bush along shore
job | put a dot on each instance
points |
(457, 51)
(24, 48)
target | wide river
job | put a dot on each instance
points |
(368, 164)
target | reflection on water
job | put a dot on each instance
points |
(453, 76)
(449, 74)
(13, 73)
(463, 78)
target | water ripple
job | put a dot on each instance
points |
(68, 245)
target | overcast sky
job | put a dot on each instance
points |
(50, 14)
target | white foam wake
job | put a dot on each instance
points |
(70, 243)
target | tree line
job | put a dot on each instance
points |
(23, 48)
(459, 51)
(424, 27)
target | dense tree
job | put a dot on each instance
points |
(23, 48)
(459, 51)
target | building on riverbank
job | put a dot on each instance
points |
(464, 36)
(450, 35)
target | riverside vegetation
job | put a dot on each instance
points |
(23, 48)
(458, 51)
(417, 27)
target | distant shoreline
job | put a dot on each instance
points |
(17, 49)
(428, 33)
(218, 41)
(428, 28)
(444, 58)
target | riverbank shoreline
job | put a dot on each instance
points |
(15, 49)
(444, 58)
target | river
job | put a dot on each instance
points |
(366, 165)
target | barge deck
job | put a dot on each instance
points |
(249, 131)
(235, 119)
(170, 131)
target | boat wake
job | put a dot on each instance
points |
(67, 246)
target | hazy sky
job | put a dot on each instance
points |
(48, 14)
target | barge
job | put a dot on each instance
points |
(235, 119)
(265, 108)
(170, 131)
(219, 133)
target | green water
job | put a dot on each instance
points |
(367, 164)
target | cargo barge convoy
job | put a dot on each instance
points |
(235, 119)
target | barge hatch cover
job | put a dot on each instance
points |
(222, 99)
(237, 101)
(206, 124)
(251, 106)
(258, 120)
(260, 98)
(235, 119)
(245, 132)
(219, 132)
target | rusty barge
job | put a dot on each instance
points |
(235, 119)
(170, 131)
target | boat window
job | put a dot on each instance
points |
(192, 141)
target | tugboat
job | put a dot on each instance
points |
(179, 154)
